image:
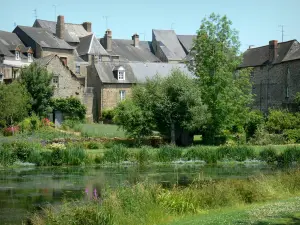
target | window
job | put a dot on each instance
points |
(29, 57)
(121, 75)
(55, 81)
(64, 60)
(122, 95)
(17, 55)
(77, 68)
(1, 78)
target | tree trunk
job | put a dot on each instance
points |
(173, 133)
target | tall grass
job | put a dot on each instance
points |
(99, 130)
(152, 204)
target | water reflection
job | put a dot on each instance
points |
(24, 190)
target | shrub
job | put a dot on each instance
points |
(10, 131)
(292, 135)
(92, 145)
(7, 155)
(168, 153)
(118, 153)
(254, 120)
(238, 153)
(74, 155)
(290, 155)
(268, 155)
(70, 124)
(143, 155)
(209, 155)
(32, 123)
(280, 120)
(108, 114)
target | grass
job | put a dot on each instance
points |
(99, 130)
(203, 202)
(276, 212)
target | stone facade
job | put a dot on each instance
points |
(110, 95)
(68, 54)
(275, 85)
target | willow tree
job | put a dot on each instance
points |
(226, 91)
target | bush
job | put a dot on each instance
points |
(143, 155)
(7, 155)
(10, 131)
(70, 124)
(269, 155)
(238, 153)
(108, 114)
(290, 155)
(292, 135)
(209, 155)
(92, 145)
(168, 153)
(280, 120)
(118, 153)
(254, 120)
(32, 123)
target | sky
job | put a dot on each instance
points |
(256, 20)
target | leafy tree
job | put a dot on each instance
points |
(225, 91)
(37, 81)
(280, 120)
(170, 105)
(71, 106)
(14, 103)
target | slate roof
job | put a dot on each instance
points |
(169, 43)
(73, 32)
(89, 45)
(44, 38)
(10, 40)
(186, 42)
(4, 50)
(129, 53)
(136, 72)
(287, 51)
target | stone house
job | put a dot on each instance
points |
(13, 56)
(275, 75)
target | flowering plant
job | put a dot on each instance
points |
(57, 146)
(10, 131)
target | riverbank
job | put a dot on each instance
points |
(147, 203)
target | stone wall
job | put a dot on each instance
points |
(68, 85)
(69, 54)
(111, 94)
(275, 85)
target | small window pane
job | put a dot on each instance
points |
(122, 95)
(77, 68)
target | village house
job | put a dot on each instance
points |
(13, 56)
(275, 74)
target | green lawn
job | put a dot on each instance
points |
(276, 212)
(100, 130)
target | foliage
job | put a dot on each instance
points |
(99, 130)
(238, 153)
(32, 123)
(14, 103)
(225, 91)
(168, 105)
(92, 145)
(117, 154)
(10, 131)
(108, 114)
(254, 121)
(168, 153)
(209, 155)
(268, 154)
(71, 106)
(37, 81)
(292, 135)
(151, 204)
(280, 120)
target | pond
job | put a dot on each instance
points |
(24, 190)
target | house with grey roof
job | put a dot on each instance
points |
(112, 81)
(275, 74)
(14, 55)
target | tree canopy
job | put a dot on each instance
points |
(14, 103)
(37, 81)
(171, 105)
(225, 91)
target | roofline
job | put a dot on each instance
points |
(56, 22)
(268, 45)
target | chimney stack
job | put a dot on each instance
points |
(136, 40)
(60, 27)
(108, 40)
(87, 26)
(273, 50)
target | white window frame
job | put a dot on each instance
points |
(122, 95)
(121, 74)
(17, 53)
(55, 81)
(29, 57)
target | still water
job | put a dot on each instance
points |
(24, 190)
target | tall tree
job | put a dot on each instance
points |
(14, 103)
(170, 105)
(37, 81)
(225, 91)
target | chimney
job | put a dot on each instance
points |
(273, 50)
(60, 27)
(87, 26)
(136, 40)
(108, 40)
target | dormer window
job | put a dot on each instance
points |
(17, 55)
(29, 57)
(121, 73)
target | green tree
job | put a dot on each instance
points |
(225, 91)
(37, 81)
(170, 105)
(14, 103)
